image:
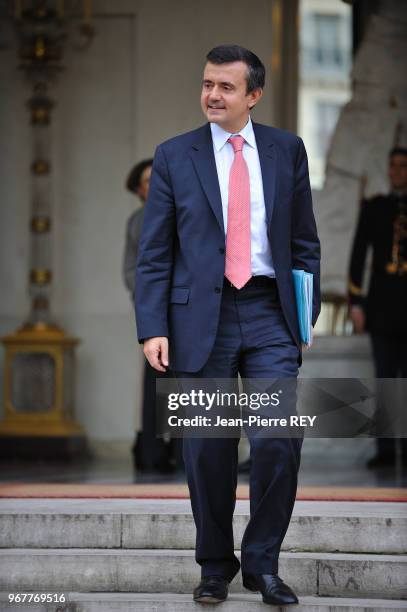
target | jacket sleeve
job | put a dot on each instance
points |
(305, 245)
(361, 242)
(155, 255)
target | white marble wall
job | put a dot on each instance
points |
(365, 133)
(138, 84)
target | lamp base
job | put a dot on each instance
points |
(66, 448)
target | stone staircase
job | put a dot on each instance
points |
(108, 555)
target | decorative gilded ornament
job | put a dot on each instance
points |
(40, 225)
(398, 263)
(38, 386)
(40, 167)
(40, 276)
(39, 48)
(354, 289)
(41, 11)
(40, 105)
(40, 116)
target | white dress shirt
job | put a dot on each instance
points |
(261, 259)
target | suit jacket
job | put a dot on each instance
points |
(181, 261)
(386, 300)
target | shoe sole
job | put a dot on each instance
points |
(209, 600)
(281, 605)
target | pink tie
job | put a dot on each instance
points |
(238, 267)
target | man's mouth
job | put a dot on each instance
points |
(216, 107)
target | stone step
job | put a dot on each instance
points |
(169, 602)
(359, 527)
(158, 571)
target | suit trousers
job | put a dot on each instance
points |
(252, 340)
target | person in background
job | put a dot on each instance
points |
(382, 225)
(150, 453)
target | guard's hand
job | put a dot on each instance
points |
(156, 352)
(357, 316)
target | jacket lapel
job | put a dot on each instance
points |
(203, 159)
(268, 165)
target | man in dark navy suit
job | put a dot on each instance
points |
(229, 215)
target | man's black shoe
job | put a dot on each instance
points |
(211, 589)
(273, 589)
(381, 460)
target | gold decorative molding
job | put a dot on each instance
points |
(57, 418)
(39, 48)
(40, 276)
(40, 115)
(40, 225)
(354, 289)
(41, 106)
(36, 334)
(23, 424)
(41, 11)
(41, 167)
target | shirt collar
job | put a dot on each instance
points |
(220, 136)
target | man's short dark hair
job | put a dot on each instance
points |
(398, 151)
(133, 180)
(225, 54)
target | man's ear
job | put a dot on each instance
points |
(255, 96)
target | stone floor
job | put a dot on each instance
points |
(328, 462)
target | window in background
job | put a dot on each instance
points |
(325, 48)
(328, 114)
(327, 51)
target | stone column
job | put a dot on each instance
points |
(372, 123)
(283, 80)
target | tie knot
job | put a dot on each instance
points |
(236, 142)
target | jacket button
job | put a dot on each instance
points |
(217, 289)
(221, 250)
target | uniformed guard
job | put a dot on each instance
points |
(382, 225)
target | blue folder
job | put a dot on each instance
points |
(303, 287)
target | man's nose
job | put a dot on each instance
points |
(215, 94)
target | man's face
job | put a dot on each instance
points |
(398, 172)
(224, 97)
(144, 185)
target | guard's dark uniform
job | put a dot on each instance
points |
(382, 225)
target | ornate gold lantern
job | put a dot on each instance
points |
(40, 357)
(39, 394)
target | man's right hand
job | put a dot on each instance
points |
(357, 315)
(156, 352)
